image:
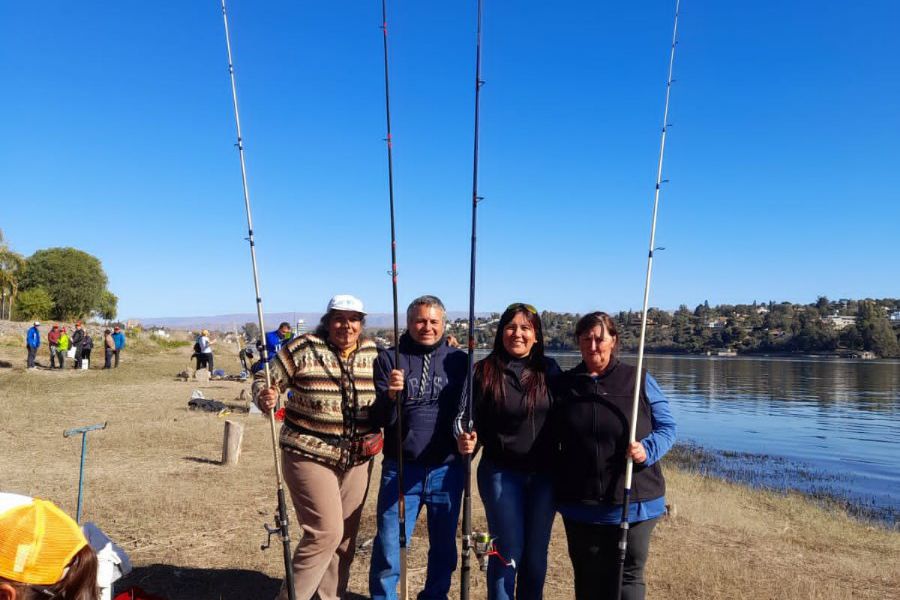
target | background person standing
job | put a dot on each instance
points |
(109, 348)
(62, 347)
(32, 342)
(77, 343)
(53, 343)
(119, 338)
(204, 351)
(87, 344)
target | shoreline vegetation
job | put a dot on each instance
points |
(779, 476)
(193, 527)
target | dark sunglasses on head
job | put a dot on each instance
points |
(523, 306)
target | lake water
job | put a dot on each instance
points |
(831, 427)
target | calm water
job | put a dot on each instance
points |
(825, 426)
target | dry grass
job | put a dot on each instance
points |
(193, 528)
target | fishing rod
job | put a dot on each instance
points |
(632, 435)
(467, 541)
(401, 498)
(281, 516)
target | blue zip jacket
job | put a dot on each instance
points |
(119, 339)
(34, 337)
(430, 400)
(273, 345)
(274, 342)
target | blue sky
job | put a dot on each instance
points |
(118, 139)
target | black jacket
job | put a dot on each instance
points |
(429, 400)
(591, 425)
(512, 436)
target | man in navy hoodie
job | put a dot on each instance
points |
(429, 381)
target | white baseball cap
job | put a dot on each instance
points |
(37, 322)
(345, 302)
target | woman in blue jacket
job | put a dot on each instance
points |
(591, 430)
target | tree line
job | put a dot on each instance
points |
(825, 326)
(54, 283)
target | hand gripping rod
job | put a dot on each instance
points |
(281, 517)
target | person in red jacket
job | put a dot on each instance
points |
(53, 342)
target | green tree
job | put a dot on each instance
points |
(108, 306)
(11, 265)
(34, 303)
(876, 331)
(74, 279)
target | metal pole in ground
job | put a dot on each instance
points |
(83, 431)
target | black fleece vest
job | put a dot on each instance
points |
(591, 424)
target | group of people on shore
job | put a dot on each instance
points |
(552, 441)
(77, 346)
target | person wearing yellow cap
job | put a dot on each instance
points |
(43, 553)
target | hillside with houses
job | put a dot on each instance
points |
(867, 328)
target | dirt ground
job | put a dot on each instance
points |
(193, 528)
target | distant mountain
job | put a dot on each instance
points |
(229, 322)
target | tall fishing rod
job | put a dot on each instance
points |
(401, 498)
(281, 517)
(632, 435)
(467, 546)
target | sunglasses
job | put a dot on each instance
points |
(522, 306)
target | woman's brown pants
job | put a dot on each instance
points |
(329, 505)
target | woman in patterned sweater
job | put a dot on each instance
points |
(327, 442)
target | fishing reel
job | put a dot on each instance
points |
(484, 547)
(270, 530)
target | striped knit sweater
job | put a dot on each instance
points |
(322, 389)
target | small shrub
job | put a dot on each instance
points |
(169, 344)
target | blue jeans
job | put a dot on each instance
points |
(520, 510)
(439, 490)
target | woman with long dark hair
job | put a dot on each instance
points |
(510, 406)
(591, 428)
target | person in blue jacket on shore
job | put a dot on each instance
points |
(119, 339)
(278, 338)
(32, 342)
(274, 341)
(429, 380)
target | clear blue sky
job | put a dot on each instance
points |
(118, 139)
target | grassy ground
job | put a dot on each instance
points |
(193, 528)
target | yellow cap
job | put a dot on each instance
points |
(37, 540)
